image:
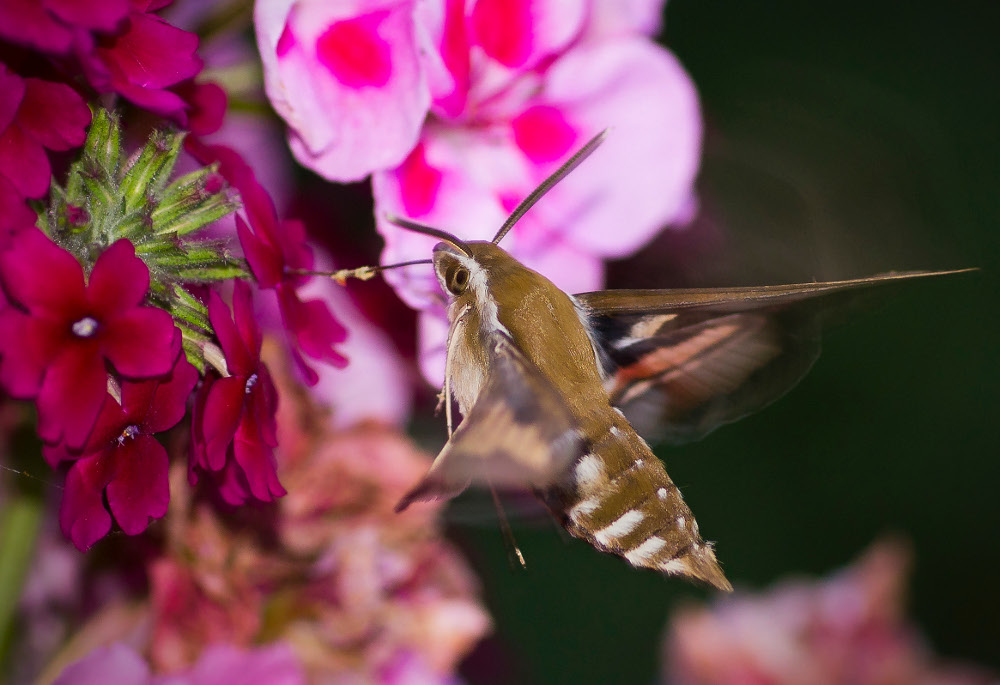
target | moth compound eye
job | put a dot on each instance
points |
(458, 280)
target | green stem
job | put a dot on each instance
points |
(20, 521)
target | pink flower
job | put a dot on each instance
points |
(347, 78)
(123, 463)
(276, 251)
(848, 628)
(36, 116)
(233, 425)
(60, 330)
(514, 88)
(219, 665)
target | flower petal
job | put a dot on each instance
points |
(170, 400)
(53, 114)
(139, 489)
(642, 177)
(12, 89)
(264, 259)
(141, 343)
(27, 347)
(312, 326)
(15, 215)
(221, 414)
(42, 277)
(150, 53)
(276, 664)
(72, 393)
(23, 162)
(257, 463)
(27, 23)
(238, 358)
(343, 75)
(246, 322)
(82, 515)
(101, 15)
(115, 663)
(118, 281)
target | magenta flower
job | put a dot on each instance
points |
(277, 252)
(60, 330)
(57, 26)
(35, 116)
(219, 665)
(233, 426)
(122, 463)
(144, 59)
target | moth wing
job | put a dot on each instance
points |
(517, 434)
(681, 363)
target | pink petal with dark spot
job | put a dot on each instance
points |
(220, 418)
(26, 22)
(336, 101)
(102, 15)
(503, 28)
(118, 281)
(23, 162)
(27, 346)
(543, 134)
(355, 53)
(82, 515)
(142, 343)
(42, 277)
(139, 489)
(72, 394)
(53, 114)
(238, 359)
(419, 183)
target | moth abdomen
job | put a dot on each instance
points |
(620, 499)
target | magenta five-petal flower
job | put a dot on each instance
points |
(278, 254)
(233, 427)
(123, 460)
(59, 331)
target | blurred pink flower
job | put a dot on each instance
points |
(122, 468)
(218, 665)
(60, 331)
(849, 628)
(361, 594)
(510, 89)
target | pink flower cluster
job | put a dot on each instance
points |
(459, 109)
(116, 46)
(849, 628)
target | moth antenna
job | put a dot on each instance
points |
(362, 273)
(513, 551)
(428, 230)
(547, 185)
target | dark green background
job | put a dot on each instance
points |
(841, 141)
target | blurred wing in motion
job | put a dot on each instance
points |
(680, 363)
(518, 434)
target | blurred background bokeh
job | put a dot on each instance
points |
(842, 139)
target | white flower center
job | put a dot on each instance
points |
(251, 381)
(129, 433)
(85, 327)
